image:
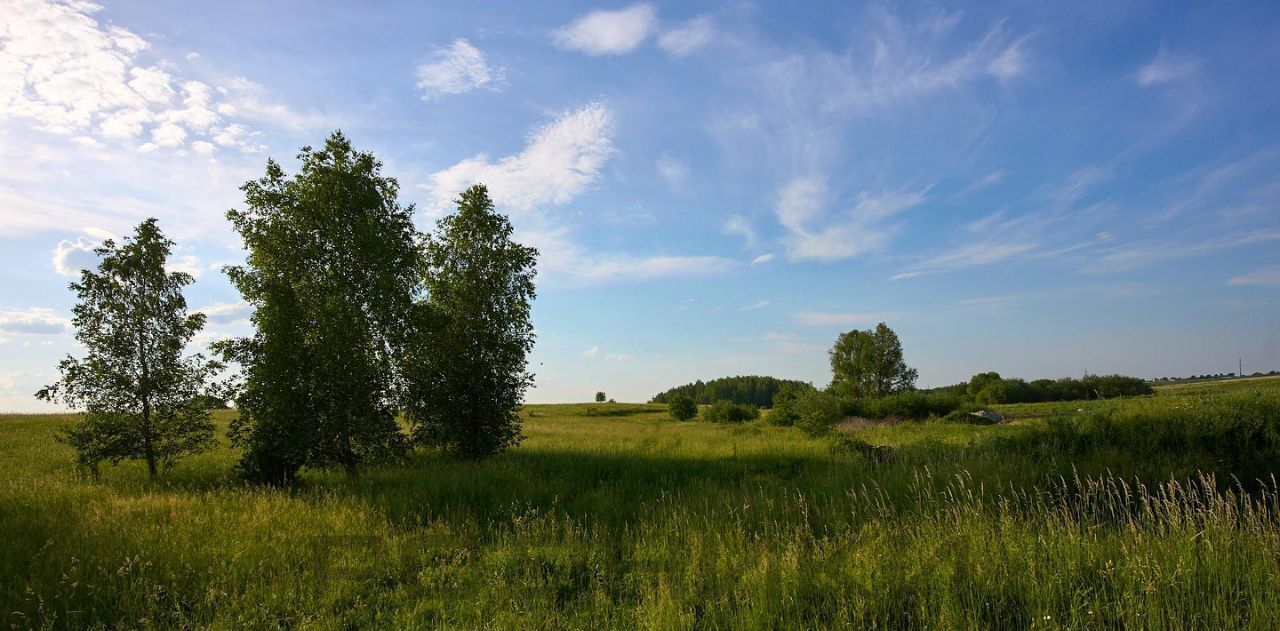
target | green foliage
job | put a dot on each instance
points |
(729, 412)
(138, 393)
(331, 270)
(989, 388)
(982, 380)
(750, 390)
(817, 412)
(682, 407)
(473, 335)
(783, 411)
(869, 364)
(600, 397)
(909, 404)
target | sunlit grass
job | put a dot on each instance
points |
(634, 520)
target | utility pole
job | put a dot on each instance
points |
(1241, 373)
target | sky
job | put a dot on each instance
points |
(1036, 188)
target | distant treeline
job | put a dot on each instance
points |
(750, 389)
(989, 388)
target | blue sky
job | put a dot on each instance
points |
(1035, 188)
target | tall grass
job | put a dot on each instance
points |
(1068, 521)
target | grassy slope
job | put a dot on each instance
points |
(638, 521)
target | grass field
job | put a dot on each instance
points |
(1157, 512)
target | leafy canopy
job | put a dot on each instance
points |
(141, 398)
(869, 364)
(333, 263)
(473, 333)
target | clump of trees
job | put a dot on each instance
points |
(869, 364)
(142, 398)
(601, 396)
(358, 318)
(730, 412)
(990, 388)
(682, 407)
(750, 390)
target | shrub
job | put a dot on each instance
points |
(910, 404)
(783, 413)
(852, 445)
(682, 407)
(817, 412)
(728, 412)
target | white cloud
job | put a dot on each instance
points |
(34, 321)
(1268, 276)
(814, 234)
(687, 38)
(226, 312)
(69, 257)
(740, 226)
(983, 183)
(760, 304)
(813, 318)
(1124, 257)
(1166, 67)
(1010, 63)
(902, 63)
(251, 101)
(566, 262)
(203, 148)
(763, 258)
(983, 252)
(458, 69)
(559, 162)
(672, 171)
(619, 357)
(608, 32)
(188, 263)
(591, 352)
(71, 75)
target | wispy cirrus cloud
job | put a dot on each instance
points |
(1267, 277)
(688, 37)
(1166, 68)
(902, 63)
(817, 233)
(561, 159)
(741, 226)
(608, 32)
(456, 69)
(829, 319)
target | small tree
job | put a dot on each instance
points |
(142, 399)
(682, 407)
(473, 333)
(980, 381)
(600, 397)
(332, 266)
(869, 364)
(817, 412)
(783, 412)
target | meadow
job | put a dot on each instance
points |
(1152, 512)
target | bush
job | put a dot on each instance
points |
(1108, 386)
(816, 412)
(910, 404)
(783, 413)
(728, 412)
(682, 407)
